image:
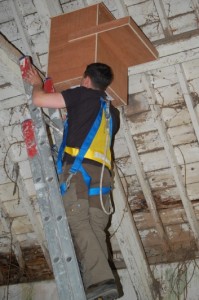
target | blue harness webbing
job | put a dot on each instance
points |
(77, 164)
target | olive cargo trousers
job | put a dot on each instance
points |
(87, 222)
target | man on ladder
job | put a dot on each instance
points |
(84, 168)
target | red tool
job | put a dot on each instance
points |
(29, 137)
(48, 85)
(25, 64)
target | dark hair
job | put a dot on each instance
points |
(100, 74)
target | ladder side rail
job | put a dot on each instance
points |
(61, 249)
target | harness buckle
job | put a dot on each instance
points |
(69, 179)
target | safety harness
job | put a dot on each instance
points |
(100, 130)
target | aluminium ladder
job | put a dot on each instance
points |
(61, 250)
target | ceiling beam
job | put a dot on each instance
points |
(156, 112)
(47, 9)
(10, 71)
(163, 18)
(13, 53)
(195, 4)
(122, 9)
(171, 53)
(7, 227)
(9, 66)
(187, 97)
(26, 40)
(26, 201)
(142, 178)
(130, 244)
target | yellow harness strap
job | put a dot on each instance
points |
(97, 147)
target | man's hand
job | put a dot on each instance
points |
(33, 77)
(39, 96)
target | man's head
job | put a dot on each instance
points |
(101, 75)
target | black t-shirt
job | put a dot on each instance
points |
(83, 105)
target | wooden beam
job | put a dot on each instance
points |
(191, 217)
(33, 218)
(9, 57)
(122, 9)
(187, 97)
(1, 278)
(144, 183)
(25, 199)
(163, 18)
(54, 7)
(196, 7)
(7, 227)
(130, 244)
(26, 40)
(10, 71)
(47, 9)
(13, 53)
(178, 51)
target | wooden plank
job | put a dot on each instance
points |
(166, 77)
(23, 193)
(9, 30)
(122, 9)
(15, 207)
(6, 190)
(75, 5)
(27, 7)
(164, 178)
(172, 160)
(191, 69)
(188, 98)
(22, 225)
(179, 235)
(163, 18)
(144, 184)
(130, 244)
(175, 8)
(15, 5)
(149, 18)
(46, 10)
(150, 141)
(123, 32)
(141, 12)
(37, 226)
(164, 196)
(5, 13)
(118, 89)
(14, 244)
(33, 24)
(169, 60)
(183, 23)
(10, 71)
(169, 216)
(157, 160)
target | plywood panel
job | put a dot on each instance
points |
(64, 25)
(118, 89)
(64, 65)
(90, 35)
(104, 15)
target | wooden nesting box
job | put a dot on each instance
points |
(92, 34)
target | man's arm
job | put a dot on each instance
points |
(39, 96)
